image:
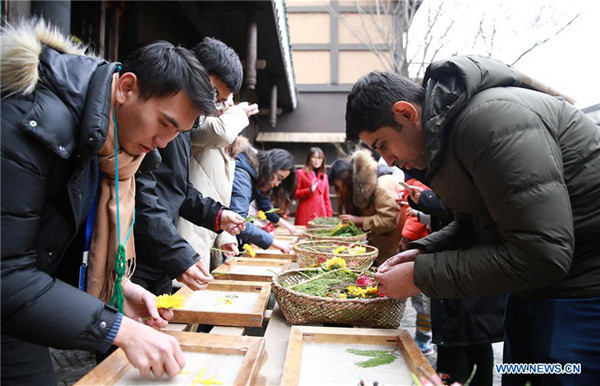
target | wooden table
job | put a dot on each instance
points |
(276, 334)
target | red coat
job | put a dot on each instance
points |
(413, 229)
(311, 204)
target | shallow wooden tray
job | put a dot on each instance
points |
(272, 253)
(252, 318)
(287, 238)
(226, 271)
(250, 348)
(283, 230)
(399, 338)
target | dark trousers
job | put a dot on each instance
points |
(553, 331)
(25, 363)
(458, 363)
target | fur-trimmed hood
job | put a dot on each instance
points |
(72, 91)
(20, 49)
(246, 157)
(364, 178)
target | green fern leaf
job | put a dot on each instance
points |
(377, 361)
(367, 353)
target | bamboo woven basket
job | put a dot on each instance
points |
(311, 235)
(299, 308)
(308, 254)
(312, 224)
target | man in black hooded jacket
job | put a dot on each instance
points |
(57, 108)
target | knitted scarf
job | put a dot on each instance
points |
(103, 248)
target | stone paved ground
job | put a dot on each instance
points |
(72, 365)
(409, 323)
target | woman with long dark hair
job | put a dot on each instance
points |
(312, 191)
(262, 175)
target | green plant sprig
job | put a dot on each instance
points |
(378, 357)
(318, 276)
(256, 217)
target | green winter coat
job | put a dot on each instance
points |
(521, 170)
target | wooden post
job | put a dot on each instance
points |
(273, 107)
(102, 29)
(251, 53)
(113, 35)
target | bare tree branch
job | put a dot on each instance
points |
(385, 24)
(539, 43)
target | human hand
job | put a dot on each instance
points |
(415, 193)
(140, 305)
(149, 351)
(412, 212)
(282, 246)
(401, 197)
(232, 249)
(290, 227)
(350, 218)
(400, 258)
(403, 244)
(397, 282)
(249, 109)
(428, 379)
(293, 231)
(232, 222)
(196, 277)
(314, 185)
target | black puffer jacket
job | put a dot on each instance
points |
(50, 138)
(163, 195)
(521, 170)
(471, 320)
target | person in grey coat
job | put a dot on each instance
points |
(521, 171)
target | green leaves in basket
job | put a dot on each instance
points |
(346, 229)
(379, 357)
(327, 221)
(324, 283)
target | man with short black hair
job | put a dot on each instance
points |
(521, 171)
(72, 125)
(166, 193)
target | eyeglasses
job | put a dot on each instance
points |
(199, 120)
(222, 103)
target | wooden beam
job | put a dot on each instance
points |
(300, 137)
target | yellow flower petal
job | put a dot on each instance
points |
(248, 248)
(335, 263)
(170, 301)
(261, 215)
(357, 250)
(339, 250)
